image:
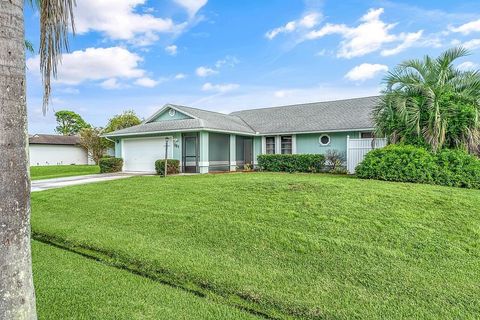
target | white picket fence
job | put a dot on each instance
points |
(358, 148)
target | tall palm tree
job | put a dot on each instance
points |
(425, 99)
(17, 297)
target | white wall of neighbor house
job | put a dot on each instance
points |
(47, 154)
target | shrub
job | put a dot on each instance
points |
(172, 166)
(291, 162)
(408, 163)
(336, 161)
(110, 164)
(458, 169)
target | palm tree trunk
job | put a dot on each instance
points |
(17, 295)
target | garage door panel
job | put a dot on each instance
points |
(141, 154)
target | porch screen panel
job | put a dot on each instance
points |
(219, 151)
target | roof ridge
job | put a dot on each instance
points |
(302, 104)
(200, 109)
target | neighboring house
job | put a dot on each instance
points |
(206, 141)
(49, 149)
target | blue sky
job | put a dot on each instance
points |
(231, 55)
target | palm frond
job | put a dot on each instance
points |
(56, 16)
(29, 46)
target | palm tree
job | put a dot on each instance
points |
(431, 102)
(17, 297)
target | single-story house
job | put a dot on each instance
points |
(51, 149)
(206, 141)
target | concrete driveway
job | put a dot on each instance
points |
(40, 185)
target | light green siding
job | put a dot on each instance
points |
(118, 148)
(165, 116)
(177, 146)
(309, 143)
(257, 148)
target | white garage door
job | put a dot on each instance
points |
(140, 154)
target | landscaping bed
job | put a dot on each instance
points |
(287, 245)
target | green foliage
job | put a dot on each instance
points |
(69, 123)
(336, 161)
(121, 121)
(432, 104)
(458, 169)
(293, 246)
(408, 163)
(291, 162)
(94, 143)
(172, 166)
(108, 165)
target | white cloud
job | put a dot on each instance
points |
(119, 20)
(171, 50)
(94, 64)
(472, 44)
(468, 65)
(146, 82)
(365, 71)
(308, 21)
(371, 35)
(409, 40)
(110, 84)
(192, 6)
(180, 76)
(222, 88)
(467, 28)
(230, 61)
(205, 71)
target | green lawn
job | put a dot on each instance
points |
(48, 172)
(69, 286)
(313, 246)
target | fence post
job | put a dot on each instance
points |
(348, 153)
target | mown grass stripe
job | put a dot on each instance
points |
(110, 260)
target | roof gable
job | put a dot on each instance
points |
(168, 113)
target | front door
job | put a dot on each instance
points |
(190, 154)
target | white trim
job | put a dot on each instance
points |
(176, 130)
(320, 139)
(263, 149)
(233, 163)
(294, 144)
(203, 163)
(316, 131)
(278, 145)
(234, 132)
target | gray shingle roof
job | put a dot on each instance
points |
(341, 115)
(53, 139)
(312, 117)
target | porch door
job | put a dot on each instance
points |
(248, 151)
(190, 154)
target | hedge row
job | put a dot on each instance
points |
(413, 164)
(110, 164)
(172, 166)
(291, 162)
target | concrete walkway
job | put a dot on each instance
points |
(40, 185)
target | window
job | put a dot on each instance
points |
(366, 135)
(286, 144)
(270, 145)
(324, 139)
